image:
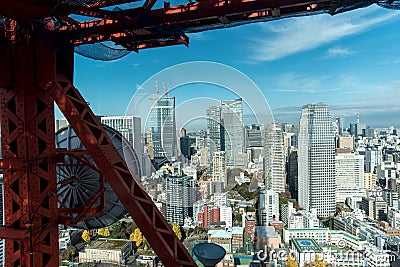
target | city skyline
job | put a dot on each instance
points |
(326, 69)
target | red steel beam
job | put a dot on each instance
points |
(144, 27)
(111, 165)
(28, 151)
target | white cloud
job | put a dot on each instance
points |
(307, 83)
(338, 52)
(293, 35)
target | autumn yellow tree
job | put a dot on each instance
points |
(136, 237)
(86, 236)
(291, 261)
(103, 232)
(177, 230)
(318, 262)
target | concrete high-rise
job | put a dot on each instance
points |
(232, 122)
(268, 207)
(163, 128)
(181, 193)
(373, 158)
(219, 167)
(274, 159)
(129, 127)
(316, 160)
(349, 172)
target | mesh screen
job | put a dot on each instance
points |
(103, 51)
(100, 51)
(395, 5)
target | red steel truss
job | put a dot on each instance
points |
(33, 76)
(137, 202)
(30, 81)
(28, 150)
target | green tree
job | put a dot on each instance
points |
(177, 230)
(86, 236)
(70, 252)
(117, 231)
(137, 237)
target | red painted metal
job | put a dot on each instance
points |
(28, 150)
(129, 30)
(112, 166)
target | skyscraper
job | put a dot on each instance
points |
(163, 128)
(274, 159)
(316, 160)
(232, 122)
(215, 131)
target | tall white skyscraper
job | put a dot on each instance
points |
(316, 160)
(274, 159)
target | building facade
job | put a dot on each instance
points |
(232, 122)
(162, 125)
(275, 169)
(316, 160)
(268, 207)
(181, 193)
(349, 175)
(215, 131)
(219, 167)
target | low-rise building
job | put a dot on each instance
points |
(266, 237)
(107, 250)
(222, 238)
(237, 238)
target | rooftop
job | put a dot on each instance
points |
(116, 244)
(306, 244)
(266, 232)
(220, 234)
(309, 230)
(237, 230)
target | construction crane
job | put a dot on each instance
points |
(37, 43)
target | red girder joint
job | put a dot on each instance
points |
(14, 234)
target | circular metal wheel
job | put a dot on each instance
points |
(76, 184)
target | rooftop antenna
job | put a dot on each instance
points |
(358, 117)
(166, 89)
(157, 91)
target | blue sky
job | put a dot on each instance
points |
(350, 61)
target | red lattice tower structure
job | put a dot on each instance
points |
(37, 42)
